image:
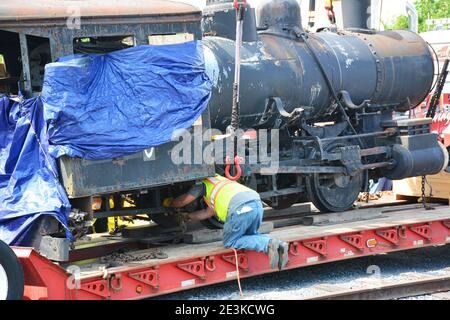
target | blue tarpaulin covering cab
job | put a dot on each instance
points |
(29, 187)
(115, 104)
(94, 107)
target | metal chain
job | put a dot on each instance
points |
(424, 200)
(122, 256)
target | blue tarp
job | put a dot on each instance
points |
(112, 105)
(29, 187)
(94, 107)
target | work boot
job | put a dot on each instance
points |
(272, 252)
(283, 252)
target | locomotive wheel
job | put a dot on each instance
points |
(11, 274)
(334, 192)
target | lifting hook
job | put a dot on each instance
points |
(237, 163)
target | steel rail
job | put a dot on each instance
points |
(387, 290)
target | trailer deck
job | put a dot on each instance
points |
(395, 228)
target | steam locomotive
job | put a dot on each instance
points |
(329, 96)
(332, 95)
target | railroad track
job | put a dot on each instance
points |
(375, 288)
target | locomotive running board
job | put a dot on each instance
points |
(47, 280)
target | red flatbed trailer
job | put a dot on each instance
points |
(189, 266)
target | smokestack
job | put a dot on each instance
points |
(356, 14)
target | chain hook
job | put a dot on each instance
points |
(238, 4)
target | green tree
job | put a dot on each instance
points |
(401, 23)
(431, 9)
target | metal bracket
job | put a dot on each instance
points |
(351, 158)
(197, 268)
(325, 131)
(355, 240)
(274, 111)
(319, 246)
(149, 277)
(390, 235)
(423, 230)
(242, 260)
(98, 287)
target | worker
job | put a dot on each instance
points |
(240, 209)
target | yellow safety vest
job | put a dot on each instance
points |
(219, 192)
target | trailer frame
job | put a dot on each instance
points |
(399, 228)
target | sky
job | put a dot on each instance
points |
(390, 8)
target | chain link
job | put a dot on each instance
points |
(424, 196)
(424, 201)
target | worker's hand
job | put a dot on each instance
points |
(167, 202)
